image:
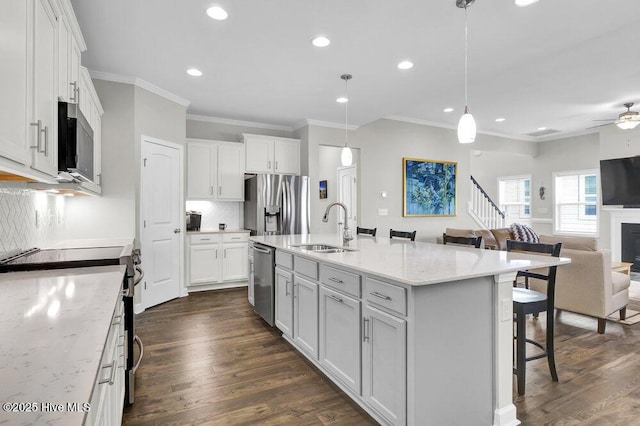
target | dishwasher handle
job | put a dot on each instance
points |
(262, 249)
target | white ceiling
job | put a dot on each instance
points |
(558, 63)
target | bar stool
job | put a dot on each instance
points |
(366, 231)
(467, 241)
(402, 234)
(527, 301)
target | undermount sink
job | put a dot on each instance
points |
(323, 248)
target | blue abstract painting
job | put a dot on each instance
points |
(429, 187)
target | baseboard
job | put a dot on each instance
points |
(217, 286)
(505, 416)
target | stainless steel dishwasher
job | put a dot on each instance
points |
(263, 281)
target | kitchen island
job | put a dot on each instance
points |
(54, 327)
(415, 333)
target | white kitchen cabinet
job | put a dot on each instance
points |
(340, 337)
(44, 132)
(234, 261)
(14, 81)
(69, 52)
(84, 94)
(384, 364)
(91, 108)
(204, 266)
(305, 315)
(284, 300)
(216, 258)
(107, 400)
(215, 170)
(270, 154)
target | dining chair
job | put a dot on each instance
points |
(366, 231)
(467, 241)
(527, 301)
(402, 234)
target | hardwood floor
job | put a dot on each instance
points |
(210, 360)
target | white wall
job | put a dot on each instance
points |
(227, 132)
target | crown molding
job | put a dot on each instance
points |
(319, 123)
(232, 122)
(73, 22)
(143, 84)
(452, 127)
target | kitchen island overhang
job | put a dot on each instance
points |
(458, 322)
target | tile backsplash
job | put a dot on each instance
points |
(30, 219)
(215, 212)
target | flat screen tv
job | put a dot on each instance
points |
(620, 179)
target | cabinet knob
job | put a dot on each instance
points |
(176, 231)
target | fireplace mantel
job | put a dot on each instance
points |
(618, 216)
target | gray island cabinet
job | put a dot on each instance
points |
(415, 333)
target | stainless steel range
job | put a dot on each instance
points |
(36, 259)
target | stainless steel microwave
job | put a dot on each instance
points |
(75, 142)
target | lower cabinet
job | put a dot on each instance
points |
(284, 301)
(214, 258)
(384, 364)
(305, 315)
(107, 400)
(340, 337)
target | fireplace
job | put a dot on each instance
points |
(630, 239)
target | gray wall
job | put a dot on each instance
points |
(129, 113)
(227, 132)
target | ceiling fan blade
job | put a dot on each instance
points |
(599, 125)
(609, 119)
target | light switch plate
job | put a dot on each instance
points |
(383, 212)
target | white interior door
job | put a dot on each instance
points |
(348, 195)
(162, 220)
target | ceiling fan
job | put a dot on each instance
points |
(626, 121)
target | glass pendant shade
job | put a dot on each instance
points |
(346, 157)
(466, 128)
(627, 124)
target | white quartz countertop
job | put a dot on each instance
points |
(412, 263)
(217, 231)
(53, 328)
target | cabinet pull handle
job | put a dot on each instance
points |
(276, 164)
(112, 376)
(74, 97)
(365, 327)
(268, 164)
(100, 179)
(205, 239)
(38, 125)
(117, 320)
(216, 253)
(211, 190)
(46, 141)
(380, 295)
(225, 253)
(219, 190)
(335, 280)
(337, 299)
(286, 288)
(293, 292)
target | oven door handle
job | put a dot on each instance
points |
(137, 340)
(140, 275)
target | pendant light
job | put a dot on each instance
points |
(467, 124)
(346, 157)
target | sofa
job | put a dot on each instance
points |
(586, 286)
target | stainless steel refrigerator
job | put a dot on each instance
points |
(273, 205)
(276, 204)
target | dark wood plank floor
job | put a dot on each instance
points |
(210, 360)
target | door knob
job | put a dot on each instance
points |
(176, 231)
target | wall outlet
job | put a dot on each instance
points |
(383, 212)
(543, 210)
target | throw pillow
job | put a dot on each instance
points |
(524, 233)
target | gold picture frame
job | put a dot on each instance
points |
(429, 187)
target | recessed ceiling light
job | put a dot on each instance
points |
(217, 13)
(524, 3)
(448, 109)
(342, 100)
(542, 128)
(405, 65)
(194, 72)
(321, 41)
(500, 119)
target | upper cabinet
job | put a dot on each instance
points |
(91, 108)
(270, 154)
(70, 47)
(215, 170)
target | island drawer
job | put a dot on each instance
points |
(284, 259)
(204, 239)
(306, 267)
(235, 238)
(341, 280)
(386, 295)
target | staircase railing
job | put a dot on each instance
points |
(482, 208)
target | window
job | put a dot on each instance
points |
(576, 202)
(515, 198)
